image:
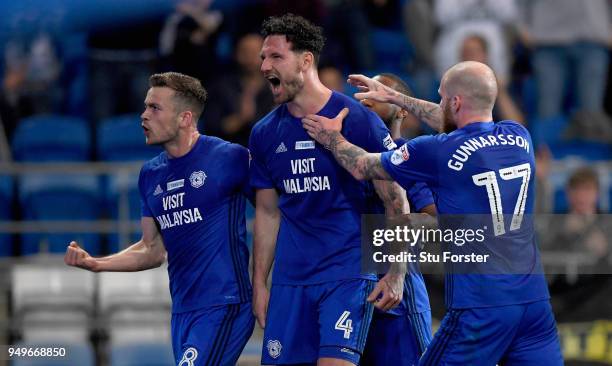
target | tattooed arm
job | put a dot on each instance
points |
(361, 164)
(428, 112)
(388, 291)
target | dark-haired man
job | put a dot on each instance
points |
(193, 214)
(308, 212)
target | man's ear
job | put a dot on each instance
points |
(456, 103)
(185, 118)
(307, 60)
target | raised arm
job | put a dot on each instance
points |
(148, 252)
(267, 223)
(361, 164)
(428, 112)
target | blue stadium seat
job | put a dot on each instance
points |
(59, 197)
(142, 355)
(592, 151)
(6, 196)
(120, 138)
(55, 138)
(547, 130)
(76, 354)
(51, 138)
(392, 49)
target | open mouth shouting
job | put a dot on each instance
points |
(274, 83)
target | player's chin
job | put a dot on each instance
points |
(280, 98)
(152, 142)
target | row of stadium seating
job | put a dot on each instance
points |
(54, 305)
(63, 138)
(71, 196)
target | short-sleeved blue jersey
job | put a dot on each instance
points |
(319, 239)
(198, 204)
(485, 169)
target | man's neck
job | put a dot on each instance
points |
(310, 100)
(474, 118)
(182, 145)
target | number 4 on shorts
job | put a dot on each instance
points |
(345, 324)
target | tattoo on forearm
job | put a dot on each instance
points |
(354, 159)
(393, 196)
(428, 112)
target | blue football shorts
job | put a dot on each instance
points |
(328, 320)
(213, 335)
(397, 340)
(524, 334)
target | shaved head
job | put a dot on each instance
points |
(475, 82)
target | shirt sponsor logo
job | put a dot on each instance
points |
(158, 190)
(197, 179)
(304, 145)
(175, 184)
(281, 148)
(400, 155)
(389, 143)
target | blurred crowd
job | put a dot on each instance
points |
(551, 57)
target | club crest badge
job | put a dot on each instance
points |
(197, 179)
(274, 348)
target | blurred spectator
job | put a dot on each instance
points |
(543, 188)
(583, 192)
(582, 233)
(487, 18)
(384, 13)
(313, 10)
(332, 78)
(188, 39)
(475, 48)
(240, 98)
(346, 29)
(419, 27)
(31, 78)
(122, 57)
(568, 38)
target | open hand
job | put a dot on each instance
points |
(371, 89)
(324, 130)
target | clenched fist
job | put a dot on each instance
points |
(78, 257)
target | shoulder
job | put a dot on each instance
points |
(150, 166)
(436, 139)
(155, 163)
(221, 148)
(269, 121)
(513, 125)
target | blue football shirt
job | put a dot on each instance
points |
(483, 169)
(319, 239)
(198, 204)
